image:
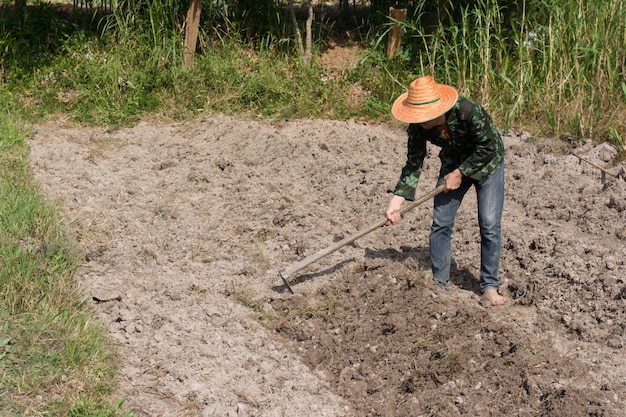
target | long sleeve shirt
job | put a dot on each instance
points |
(472, 144)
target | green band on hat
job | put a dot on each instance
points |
(425, 103)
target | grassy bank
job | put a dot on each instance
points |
(53, 359)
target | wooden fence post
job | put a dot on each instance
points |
(191, 31)
(394, 40)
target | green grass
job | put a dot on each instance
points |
(53, 359)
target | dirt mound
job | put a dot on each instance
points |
(185, 226)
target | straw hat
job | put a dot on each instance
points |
(426, 100)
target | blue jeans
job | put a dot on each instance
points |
(490, 204)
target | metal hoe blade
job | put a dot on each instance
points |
(283, 275)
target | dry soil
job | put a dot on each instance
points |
(184, 227)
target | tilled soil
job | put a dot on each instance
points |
(184, 227)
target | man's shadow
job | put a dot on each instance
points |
(461, 277)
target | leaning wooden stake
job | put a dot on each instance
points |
(394, 41)
(287, 272)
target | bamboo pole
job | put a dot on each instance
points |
(603, 170)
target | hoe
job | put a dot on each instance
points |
(287, 272)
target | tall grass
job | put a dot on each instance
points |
(572, 65)
(31, 38)
(53, 359)
(547, 65)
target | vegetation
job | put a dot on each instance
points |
(547, 66)
(53, 360)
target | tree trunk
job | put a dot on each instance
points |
(296, 28)
(309, 36)
(191, 31)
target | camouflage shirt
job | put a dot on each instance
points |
(473, 144)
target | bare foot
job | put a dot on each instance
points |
(491, 295)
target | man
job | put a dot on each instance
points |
(472, 154)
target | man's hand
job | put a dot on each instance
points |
(392, 209)
(452, 181)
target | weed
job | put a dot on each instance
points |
(85, 408)
(247, 300)
(532, 351)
